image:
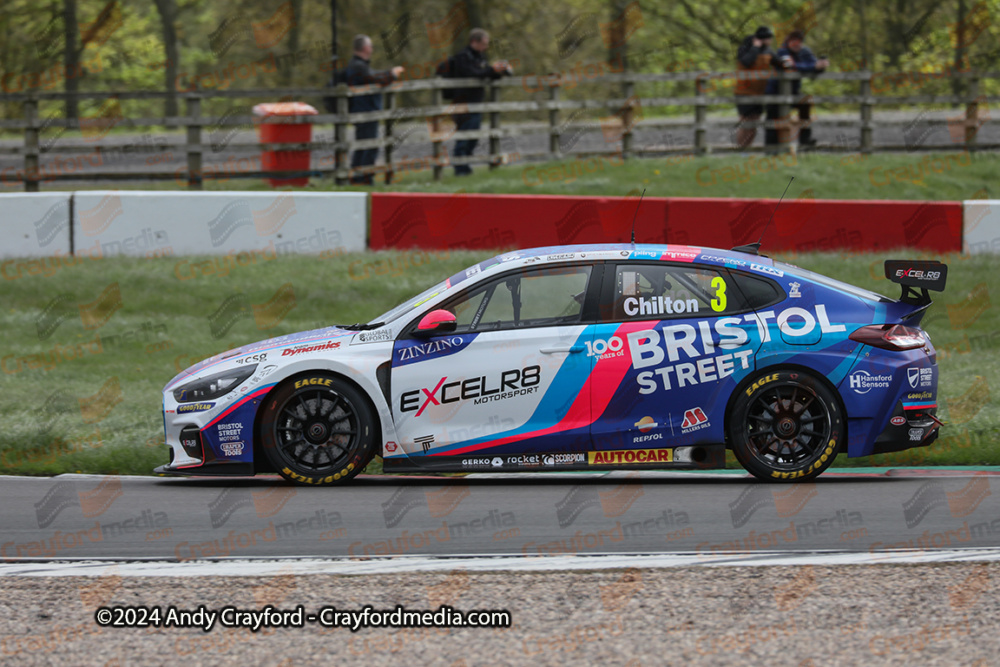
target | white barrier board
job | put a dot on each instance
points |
(151, 223)
(34, 224)
(981, 226)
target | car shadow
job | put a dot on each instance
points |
(523, 479)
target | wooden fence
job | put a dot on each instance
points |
(621, 111)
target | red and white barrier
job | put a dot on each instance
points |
(519, 221)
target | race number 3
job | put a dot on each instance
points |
(719, 301)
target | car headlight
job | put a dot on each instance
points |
(213, 386)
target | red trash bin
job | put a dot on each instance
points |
(286, 131)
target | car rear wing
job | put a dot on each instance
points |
(917, 274)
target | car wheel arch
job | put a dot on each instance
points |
(748, 380)
(260, 461)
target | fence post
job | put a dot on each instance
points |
(194, 142)
(390, 105)
(866, 114)
(436, 144)
(554, 134)
(972, 113)
(700, 115)
(784, 120)
(494, 95)
(628, 118)
(340, 150)
(31, 145)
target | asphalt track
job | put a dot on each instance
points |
(181, 519)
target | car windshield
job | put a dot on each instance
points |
(414, 302)
(830, 282)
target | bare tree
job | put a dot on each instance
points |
(72, 54)
(294, 38)
(71, 57)
(960, 47)
(617, 48)
(168, 17)
(864, 34)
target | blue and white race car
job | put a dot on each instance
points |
(611, 356)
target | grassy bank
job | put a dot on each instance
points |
(903, 176)
(88, 348)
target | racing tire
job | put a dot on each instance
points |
(318, 429)
(786, 426)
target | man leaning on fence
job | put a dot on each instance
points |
(754, 55)
(357, 74)
(471, 62)
(795, 55)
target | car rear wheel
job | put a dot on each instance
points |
(786, 426)
(318, 429)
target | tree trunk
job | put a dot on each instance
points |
(616, 36)
(334, 46)
(894, 44)
(294, 37)
(960, 32)
(475, 14)
(864, 34)
(168, 17)
(71, 58)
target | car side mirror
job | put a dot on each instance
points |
(436, 322)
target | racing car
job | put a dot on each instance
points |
(591, 357)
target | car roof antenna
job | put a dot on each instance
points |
(636, 215)
(754, 248)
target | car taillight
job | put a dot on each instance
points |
(890, 337)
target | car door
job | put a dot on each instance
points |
(510, 383)
(674, 341)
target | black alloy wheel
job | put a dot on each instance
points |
(318, 429)
(786, 426)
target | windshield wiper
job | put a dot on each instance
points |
(360, 326)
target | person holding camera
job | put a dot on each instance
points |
(795, 55)
(754, 55)
(471, 62)
(359, 74)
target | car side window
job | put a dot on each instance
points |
(758, 292)
(540, 297)
(665, 291)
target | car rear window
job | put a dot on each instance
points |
(757, 292)
(830, 282)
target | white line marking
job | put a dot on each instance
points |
(247, 568)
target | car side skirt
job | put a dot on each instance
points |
(700, 457)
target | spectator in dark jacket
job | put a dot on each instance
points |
(794, 54)
(359, 74)
(754, 55)
(471, 62)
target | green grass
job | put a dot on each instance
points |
(918, 176)
(822, 176)
(45, 427)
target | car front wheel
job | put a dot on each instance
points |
(318, 429)
(786, 425)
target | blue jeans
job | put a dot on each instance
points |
(465, 147)
(366, 156)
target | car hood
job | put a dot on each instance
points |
(278, 343)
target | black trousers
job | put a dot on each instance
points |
(805, 134)
(366, 156)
